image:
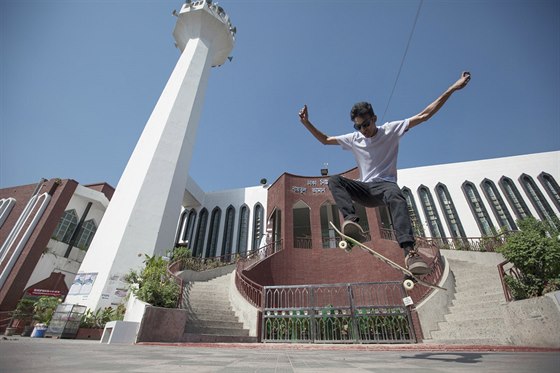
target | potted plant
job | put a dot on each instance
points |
(93, 323)
(21, 318)
(43, 310)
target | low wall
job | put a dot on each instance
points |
(245, 311)
(433, 308)
(162, 325)
(534, 322)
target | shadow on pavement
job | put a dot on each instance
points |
(456, 357)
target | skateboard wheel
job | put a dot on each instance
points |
(408, 284)
(343, 245)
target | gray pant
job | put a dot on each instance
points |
(346, 191)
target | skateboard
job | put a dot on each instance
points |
(347, 242)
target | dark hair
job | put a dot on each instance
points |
(361, 109)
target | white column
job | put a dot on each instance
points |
(142, 215)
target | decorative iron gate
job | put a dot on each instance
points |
(337, 313)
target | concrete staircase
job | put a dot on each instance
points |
(210, 317)
(476, 313)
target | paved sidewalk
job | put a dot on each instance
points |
(26, 355)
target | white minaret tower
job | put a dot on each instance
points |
(142, 216)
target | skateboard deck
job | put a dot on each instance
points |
(347, 242)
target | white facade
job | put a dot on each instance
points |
(455, 174)
(452, 176)
(54, 257)
(252, 198)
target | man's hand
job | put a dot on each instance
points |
(462, 82)
(303, 116)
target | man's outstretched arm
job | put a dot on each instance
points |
(434, 107)
(323, 139)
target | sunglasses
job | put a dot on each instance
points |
(364, 124)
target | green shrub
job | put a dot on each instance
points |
(44, 308)
(535, 251)
(98, 319)
(181, 253)
(155, 284)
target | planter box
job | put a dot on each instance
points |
(89, 333)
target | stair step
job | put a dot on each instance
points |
(475, 312)
(210, 291)
(468, 333)
(216, 331)
(472, 314)
(488, 323)
(488, 287)
(213, 324)
(472, 341)
(482, 299)
(205, 309)
(211, 338)
(217, 316)
(208, 302)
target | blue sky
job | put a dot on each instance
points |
(79, 79)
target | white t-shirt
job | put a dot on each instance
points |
(376, 156)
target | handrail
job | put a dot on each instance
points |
(178, 281)
(480, 244)
(179, 265)
(5, 321)
(249, 289)
(513, 272)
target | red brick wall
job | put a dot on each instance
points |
(60, 191)
(294, 266)
(103, 188)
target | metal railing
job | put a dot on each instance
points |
(337, 313)
(250, 290)
(505, 269)
(5, 319)
(480, 244)
(196, 264)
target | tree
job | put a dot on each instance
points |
(535, 252)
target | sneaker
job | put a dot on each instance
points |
(416, 264)
(353, 230)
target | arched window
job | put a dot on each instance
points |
(430, 211)
(537, 198)
(514, 198)
(499, 208)
(329, 212)
(66, 226)
(551, 187)
(189, 230)
(227, 242)
(448, 207)
(276, 219)
(213, 233)
(181, 228)
(243, 231)
(301, 214)
(413, 213)
(201, 233)
(6, 205)
(478, 209)
(258, 226)
(86, 233)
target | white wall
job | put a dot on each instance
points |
(455, 174)
(52, 259)
(237, 198)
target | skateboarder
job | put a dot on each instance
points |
(375, 149)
